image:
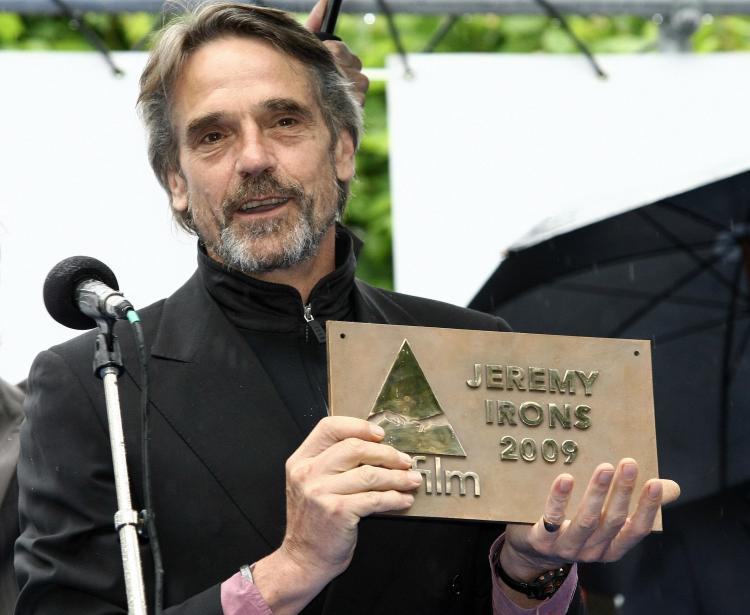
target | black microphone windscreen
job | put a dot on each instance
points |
(60, 289)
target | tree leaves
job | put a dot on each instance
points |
(11, 28)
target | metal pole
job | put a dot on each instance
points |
(678, 28)
(126, 519)
(645, 8)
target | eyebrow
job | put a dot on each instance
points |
(198, 125)
(287, 105)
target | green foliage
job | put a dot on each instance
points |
(136, 27)
(11, 28)
(369, 210)
(723, 34)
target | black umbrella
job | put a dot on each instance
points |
(675, 272)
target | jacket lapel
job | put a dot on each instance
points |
(211, 388)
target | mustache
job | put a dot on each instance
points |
(254, 187)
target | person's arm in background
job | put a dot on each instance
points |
(349, 63)
(11, 417)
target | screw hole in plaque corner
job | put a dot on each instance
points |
(342, 336)
(637, 353)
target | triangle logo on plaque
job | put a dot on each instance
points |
(409, 412)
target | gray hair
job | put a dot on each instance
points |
(186, 33)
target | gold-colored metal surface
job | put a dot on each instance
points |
(490, 419)
(409, 413)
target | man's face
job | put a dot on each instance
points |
(258, 168)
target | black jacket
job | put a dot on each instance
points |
(220, 435)
(11, 417)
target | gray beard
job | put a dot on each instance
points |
(298, 239)
(301, 242)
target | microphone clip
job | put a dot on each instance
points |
(107, 354)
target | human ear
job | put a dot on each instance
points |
(344, 156)
(177, 190)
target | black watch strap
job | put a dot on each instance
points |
(541, 588)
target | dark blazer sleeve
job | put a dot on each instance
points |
(11, 418)
(68, 556)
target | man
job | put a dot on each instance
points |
(11, 417)
(253, 133)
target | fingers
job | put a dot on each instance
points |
(670, 491)
(615, 511)
(361, 85)
(601, 529)
(351, 466)
(587, 518)
(326, 464)
(640, 524)
(353, 452)
(614, 514)
(558, 498)
(364, 504)
(622, 490)
(333, 429)
(351, 66)
(345, 59)
(370, 478)
(554, 510)
(338, 475)
(347, 510)
(314, 20)
(605, 534)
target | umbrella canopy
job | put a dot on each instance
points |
(675, 272)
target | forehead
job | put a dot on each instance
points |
(235, 74)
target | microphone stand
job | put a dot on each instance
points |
(108, 367)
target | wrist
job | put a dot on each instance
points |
(520, 567)
(286, 585)
(527, 584)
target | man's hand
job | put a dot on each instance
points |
(349, 64)
(338, 475)
(600, 531)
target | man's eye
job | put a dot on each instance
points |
(285, 122)
(212, 137)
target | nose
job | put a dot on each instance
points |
(255, 155)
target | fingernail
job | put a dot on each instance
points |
(377, 430)
(654, 490)
(404, 457)
(414, 476)
(605, 477)
(566, 484)
(629, 471)
(409, 499)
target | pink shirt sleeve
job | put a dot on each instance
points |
(556, 605)
(240, 597)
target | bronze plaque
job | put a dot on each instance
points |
(491, 418)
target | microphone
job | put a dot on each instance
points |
(80, 290)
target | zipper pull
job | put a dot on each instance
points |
(316, 327)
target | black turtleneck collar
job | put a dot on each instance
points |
(257, 305)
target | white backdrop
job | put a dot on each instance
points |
(74, 179)
(484, 147)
